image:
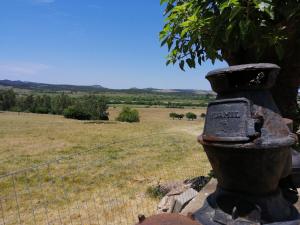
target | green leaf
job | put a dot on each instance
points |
(170, 43)
(180, 8)
(164, 41)
(184, 31)
(234, 12)
(185, 23)
(244, 25)
(163, 1)
(279, 51)
(228, 31)
(181, 65)
(191, 63)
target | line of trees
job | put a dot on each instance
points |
(86, 107)
(189, 116)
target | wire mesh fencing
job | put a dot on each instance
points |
(103, 185)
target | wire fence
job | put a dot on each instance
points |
(91, 186)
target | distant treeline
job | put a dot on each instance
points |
(86, 107)
(160, 103)
(90, 105)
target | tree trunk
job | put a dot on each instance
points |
(285, 93)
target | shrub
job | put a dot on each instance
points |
(173, 115)
(73, 112)
(155, 192)
(41, 110)
(203, 115)
(179, 116)
(96, 106)
(128, 115)
(191, 116)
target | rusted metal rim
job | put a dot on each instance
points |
(273, 144)
(260, 76)
(243, 68)
(168, 219)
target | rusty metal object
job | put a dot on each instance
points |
(248, 145)
(245, 130)
(169, 219)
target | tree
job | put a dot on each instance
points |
(191, 116)
(239, 32)
(179, 116)
(59, 103)
(76, 112)
(28, 104)
(173, 115)
(7, 99)
(96, 106)
(128, 115)
(202, 115)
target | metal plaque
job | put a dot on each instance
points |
(227, 120)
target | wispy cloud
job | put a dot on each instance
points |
(43, 1)
(12, 69)
(94, 6)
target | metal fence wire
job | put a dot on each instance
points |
(90, 187)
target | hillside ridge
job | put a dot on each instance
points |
(90, 88)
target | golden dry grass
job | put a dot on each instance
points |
(104, 168)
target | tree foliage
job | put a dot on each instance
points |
(7, 99)
(172, 115)
(128, 115)
(191, 116)
(76, 112)
(96, 106)
(86, 107)
(239, 31)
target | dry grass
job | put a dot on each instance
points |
(105, 170)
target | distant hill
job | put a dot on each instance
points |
(93, 88)
(49, 87)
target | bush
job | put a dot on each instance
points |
(73, 112)
(96, 106)
(155, 192)
(128, 115)
(173, 115)
(41, 110)
(191, 116)
(179, 116)
(203, 115)
(104, 116)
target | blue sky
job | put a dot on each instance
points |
(113, 43)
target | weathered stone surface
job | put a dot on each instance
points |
(184, 191)
(166, 205)
(169, 186)
(198, 201)
(183, 199)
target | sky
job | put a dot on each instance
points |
(113, 43)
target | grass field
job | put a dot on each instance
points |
(92, 172)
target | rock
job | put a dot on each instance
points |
(166, 205)
(198, 201)
(179, 193)
(171, 186)
(183, 199)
